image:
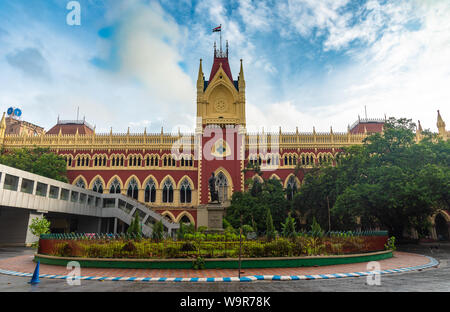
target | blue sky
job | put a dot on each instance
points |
(134, 63)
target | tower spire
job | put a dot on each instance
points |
(441, 125)
(200, 74)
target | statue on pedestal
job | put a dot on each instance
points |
(212, 189)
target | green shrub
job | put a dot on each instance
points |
(316, 230)
(390, 245)
(202, 229)
(96, 251)
(188, 246)
(288, 227)
(198, 263)
(172, 251)
(129, 247)
(38, 227)
(270, 229)
(158, 230)
(247, 229)
(278, 248)
(253, 250)
(64, 250)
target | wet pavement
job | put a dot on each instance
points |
(432, 280)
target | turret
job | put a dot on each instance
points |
(419, 131)
(441, 125)
(2, 128)
(241, 80)
(200, 79)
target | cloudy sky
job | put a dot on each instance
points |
(134, 63)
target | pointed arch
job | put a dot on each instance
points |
(150, 185)
(185, 189)
(108, 186)
(291, 185)
(286, 181)
(148, 178)
(227, 83)
(169, 214)
(258, 177)
(130, 178)
(168, 186)
(91, 185)
(275, 176)
(187, 214)
(161, 185)
(226, 189)
(132, 187)
(182, 179)
(82, 178)
(444, 214)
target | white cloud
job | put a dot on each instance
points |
(148, 51)
(406, 73)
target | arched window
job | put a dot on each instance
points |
(150, 192)
(291, 188)
(80, 183)
(98, 186)
(222, 187)
(133, 189)
(115, 187)
(185, 192)
(168, 192)
(185, 219)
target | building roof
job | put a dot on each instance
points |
(23, 122)
(70, 127)
(371, 125)
(225, 66)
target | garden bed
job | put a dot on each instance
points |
(231, 263)
(211, 251)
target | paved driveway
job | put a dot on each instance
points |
(436, 279)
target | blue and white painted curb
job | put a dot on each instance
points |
(433, 263)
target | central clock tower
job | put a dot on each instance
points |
(221, 100)
(220, 128)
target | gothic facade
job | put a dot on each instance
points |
(170, 173)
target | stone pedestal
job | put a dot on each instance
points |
(211, 216)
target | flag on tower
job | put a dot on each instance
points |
(219, 28)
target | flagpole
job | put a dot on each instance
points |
(220, 40)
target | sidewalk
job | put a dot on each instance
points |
(401, 262)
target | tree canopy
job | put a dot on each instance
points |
(391, 181)
(40, 161)
(255, 203)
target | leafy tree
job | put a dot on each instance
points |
(316, 230)
(391, 181)
(253, 205)
(38, 160)
(158, 230)
(289, 227)
(270, 229)
(246, 229)
(39, 226)
(135, 226)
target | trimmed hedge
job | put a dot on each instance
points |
(166, 249)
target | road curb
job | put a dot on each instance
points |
(432, 263)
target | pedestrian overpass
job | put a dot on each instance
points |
(25, 196)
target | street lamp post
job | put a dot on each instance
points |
(240, 247)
